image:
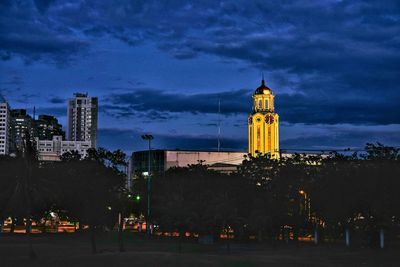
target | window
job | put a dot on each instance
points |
(266, 104)
(260, 104)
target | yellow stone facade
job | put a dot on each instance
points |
(263, 130)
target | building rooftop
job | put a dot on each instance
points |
(80, 94)
(193, 150)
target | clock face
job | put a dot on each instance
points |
(269, 119)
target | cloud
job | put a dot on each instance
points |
(27, 30)
(314, 109)
(43, 5)
(14, 81)
(26, 98)
(57, 100)
(292, 108)
(335, 46)
(330, 138)
(344, 136)
(329, 62)
(145, 99)
(130, 140)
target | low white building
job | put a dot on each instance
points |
(162, 160)
(51, 150)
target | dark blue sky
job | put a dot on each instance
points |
(160, 66)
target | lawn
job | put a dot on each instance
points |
(75, 250)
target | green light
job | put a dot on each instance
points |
(137, 197)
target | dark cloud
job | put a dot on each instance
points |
(329, 62)
(293, 108)
(144, 116)
(43, 5)
(14, 81)
(57, 100)
(334, 45)
(8, 91)
(26, 98)
(25, 31)
(342, 138)
(232, 102)
(314, 109)
(338, 138)
(130, 140)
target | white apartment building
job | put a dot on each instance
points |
(82, 118)
(51, 150)
(4, 127)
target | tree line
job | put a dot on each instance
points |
(266, 198)
(325, 196)
(87, 191)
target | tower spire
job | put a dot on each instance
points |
(262, 76)
(219, 123)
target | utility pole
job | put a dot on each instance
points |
(219, 123)
(148, 137)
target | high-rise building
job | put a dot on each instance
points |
(47, 126)
(263, 123)
(21, 123)
(82, 118)
(4, 127)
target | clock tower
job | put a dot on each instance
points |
(263, 123)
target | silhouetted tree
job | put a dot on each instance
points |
(87, 188)
(198, 200)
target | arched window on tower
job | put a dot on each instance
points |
(260, 104)
(266, 104)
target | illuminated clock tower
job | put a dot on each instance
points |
(263, 123)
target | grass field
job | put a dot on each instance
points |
(75, 250)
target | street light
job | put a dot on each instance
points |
(148, 137)
(307, 203)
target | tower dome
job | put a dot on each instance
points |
(260, 90)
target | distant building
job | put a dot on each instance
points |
(21, 122)
(5, 121)
(47, 126)
(162, 160)
(82, 118)
(51, 150)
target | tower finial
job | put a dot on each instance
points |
(262, 81)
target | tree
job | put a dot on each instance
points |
(21, 190)
(198, 200)
(87, 188)
(121, 199)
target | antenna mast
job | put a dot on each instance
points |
(219, 123)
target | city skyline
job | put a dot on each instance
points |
(336, 83)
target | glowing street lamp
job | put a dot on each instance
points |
(306, 202)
